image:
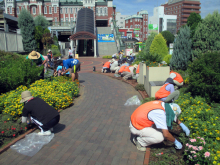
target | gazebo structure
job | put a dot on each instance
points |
(85, 33)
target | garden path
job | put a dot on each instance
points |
(93, 131)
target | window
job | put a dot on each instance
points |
(55, 9)
(50, 11)
(92, 8)
(45, 9)
(66, 10)
(76, 10)
(131, 20)
(105, 11)
(146, 35)
(17, 10)
(10, 9)
(71, 10)
(97, 10)
(61, 21)
(126, 21)
(126, 26)
(67, 19)
(179, 5)
(135, 19)
(55, 19)
(100, 10)
(34, 10)
(131, 26)
(166, 8)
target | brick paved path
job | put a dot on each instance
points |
(96, 129)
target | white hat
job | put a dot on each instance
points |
(25, 96)
(135, 66)
(176, 109)
(49, 51)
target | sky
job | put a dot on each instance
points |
(130, 7)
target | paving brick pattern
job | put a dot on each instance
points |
(93, 131)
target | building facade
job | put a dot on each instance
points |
(160, 22)
(139, 23)
(181, 8)
(120, 20)
(63, 12)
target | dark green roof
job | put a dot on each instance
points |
(101, 3)
(71, 4)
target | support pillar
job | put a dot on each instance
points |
(71, 44)
(95, 48)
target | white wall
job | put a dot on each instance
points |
(120, 20)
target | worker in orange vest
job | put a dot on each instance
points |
(167, 92)
(106, 66)
(128, 72)
(177, 78)
(151, 122)
(137, 71)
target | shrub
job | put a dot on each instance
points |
(168, 36)
(159, 46)
(40, 20)
(192, 21)
(167, 59)
(17, 71)
(140, 87)
(27, 26)
(148, 99)
(182, 50)
(204, 76)
(207, 35)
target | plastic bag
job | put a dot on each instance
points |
(133, 101)
(117, 75)
(31, 144)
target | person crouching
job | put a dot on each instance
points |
(152, 121)
(41, 113)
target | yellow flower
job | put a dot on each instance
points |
(217, 138)
(214, 162)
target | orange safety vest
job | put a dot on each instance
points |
(139, 118)
(122, 69)
(127, 69)
(162, 92)
(137, 71)
(178, 77)
(107, 64)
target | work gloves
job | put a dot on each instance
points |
(185, 129)
(178, 144)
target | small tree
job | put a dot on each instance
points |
(159, 46)
(41, 21)
(26, 24)
(192, 22)
(144, 54)
(169, 37)
(46, 38)
(182, 50)
(207, 35)
(38, 36)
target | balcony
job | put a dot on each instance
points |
(191, 7)
(63, 24)
(190, 11)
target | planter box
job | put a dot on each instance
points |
(142, 73)
(155, 78)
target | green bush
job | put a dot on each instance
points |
(159, 46)
(16, 71)
(140, 87)
(167, 59)
(204, 76)
(148, 99)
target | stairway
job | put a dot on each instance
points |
(106, 48)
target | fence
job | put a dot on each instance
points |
(11, 42)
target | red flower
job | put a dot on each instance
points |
(11, 126)
(21, 128)
(5, 121)
(13, 134)
(7, 129)
(14, 128)
(3, 132)
(25, 127)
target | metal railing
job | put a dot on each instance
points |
(71, 24)
(118, 39)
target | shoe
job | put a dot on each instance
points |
(46, 133)
(125, 79)
(139, 147)
(105, 71)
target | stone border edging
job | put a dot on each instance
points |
(147, 153)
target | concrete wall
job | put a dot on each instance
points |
(11, 42)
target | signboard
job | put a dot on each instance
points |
(106, 38)
(76, 55)
(136, 29)
(128, 52)
(153, 27)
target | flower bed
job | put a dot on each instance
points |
(203, 122)
(58, 92)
